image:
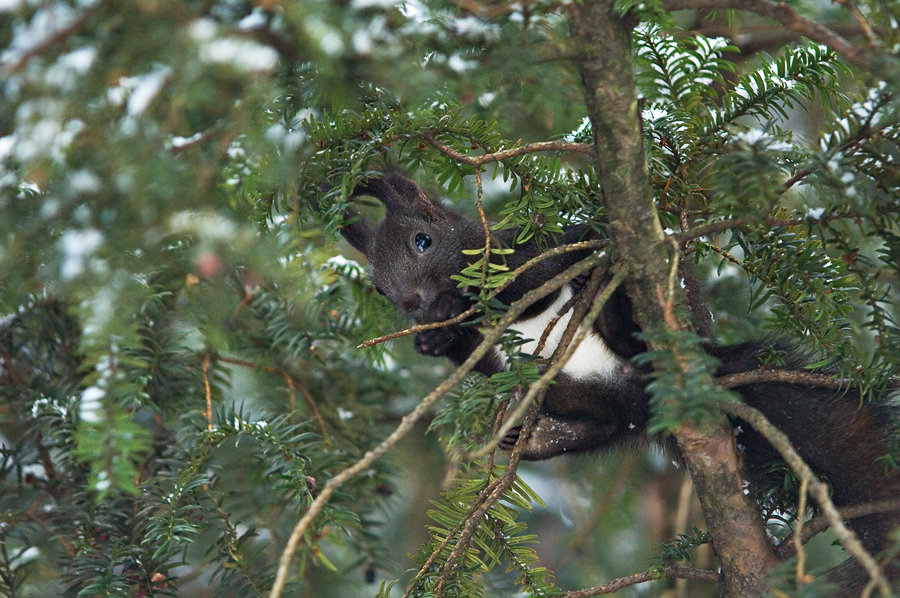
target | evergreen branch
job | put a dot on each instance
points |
(817, 488)
(488, 497)
(541, 146)
(790, 19)
(409, 420)
(561, 249)
(820, 523)
(630, 580)
(292, 383)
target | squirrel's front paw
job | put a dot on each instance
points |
(509, 440)
(436, 342)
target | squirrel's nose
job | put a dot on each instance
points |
(411, 302)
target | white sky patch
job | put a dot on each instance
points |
(144, 89)
(458, 64)
(45, 23)
(358, 4)
(243, 54)
(178, 141)
(77, 247)
(210, 226)
(254, 20)
(84, 182)
(41, 131)
(90, 410)
(10, 5)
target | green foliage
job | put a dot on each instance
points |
(498, 537)
(680, 549)
(679, 395)
(179, 372)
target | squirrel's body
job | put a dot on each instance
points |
(599, 399)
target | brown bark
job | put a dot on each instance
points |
(604, 41)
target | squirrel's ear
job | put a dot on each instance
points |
(358, 234)
(399, 193)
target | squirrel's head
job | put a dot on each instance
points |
(415, 250)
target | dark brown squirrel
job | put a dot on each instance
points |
(599, 400)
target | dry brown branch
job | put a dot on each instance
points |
(532, 148)
(817, 488)
(790, 19)
(563, 352)
(820, 523)
(625, 582)
(206, 385)
(785, 376)
(409, 420)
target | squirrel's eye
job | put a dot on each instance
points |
(423, 242)
(379, 291)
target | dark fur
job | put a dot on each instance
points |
(839, 435)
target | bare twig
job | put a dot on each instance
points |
(785, 376)
(625, 582)
(542, 146)
(206, 385)
(409, 420)
(585, 312)
(817, 488)
(558, 361)
(820, 523)
(801, 515)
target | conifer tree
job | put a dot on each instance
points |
(185, 407)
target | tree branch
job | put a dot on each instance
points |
(606, 69)
(625, 582)
(789, 18)
(541, 146)
(817, 488)
(820, 523)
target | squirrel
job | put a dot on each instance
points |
(599, 400)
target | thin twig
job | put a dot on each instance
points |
(801, 515)
(817, 488)
(209, 416)
(585, 312)
(410, 419)
(785, 376)
(532, 148)
(820, 523)
(625, 582)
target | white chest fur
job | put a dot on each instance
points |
(591, 359)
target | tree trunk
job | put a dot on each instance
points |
(603, 42)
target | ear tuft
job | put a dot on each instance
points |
(401, 194)
(358, 234)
